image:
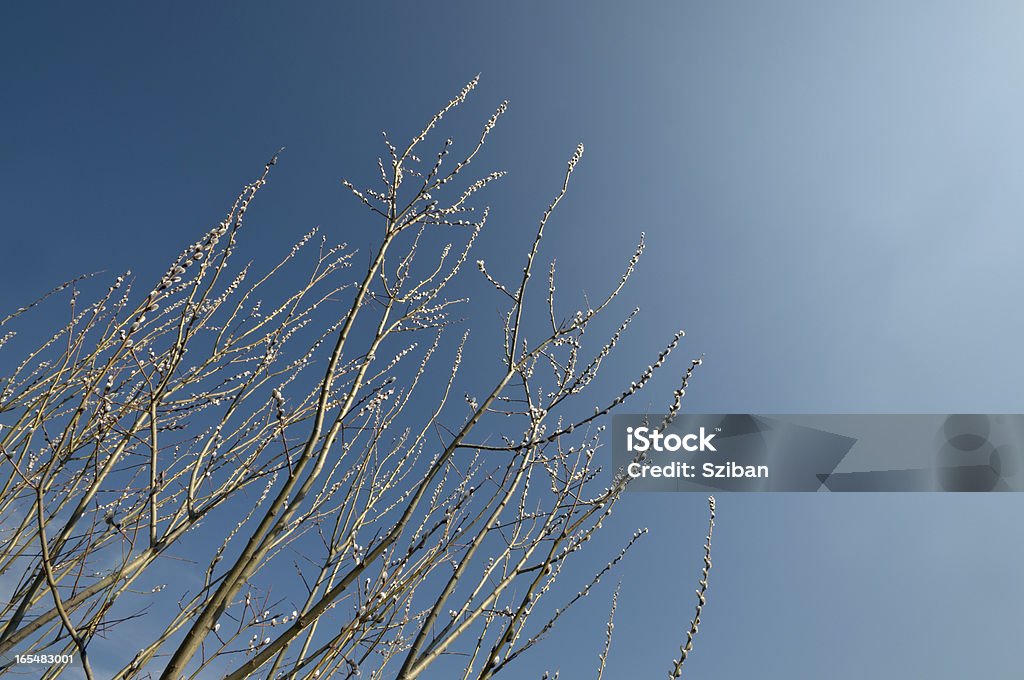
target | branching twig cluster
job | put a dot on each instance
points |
(312, 436)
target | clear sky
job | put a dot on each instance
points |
(833, 195)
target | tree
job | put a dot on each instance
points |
(315, 437)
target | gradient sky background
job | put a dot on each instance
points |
(833, 195)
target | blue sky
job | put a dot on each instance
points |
(832, 193)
